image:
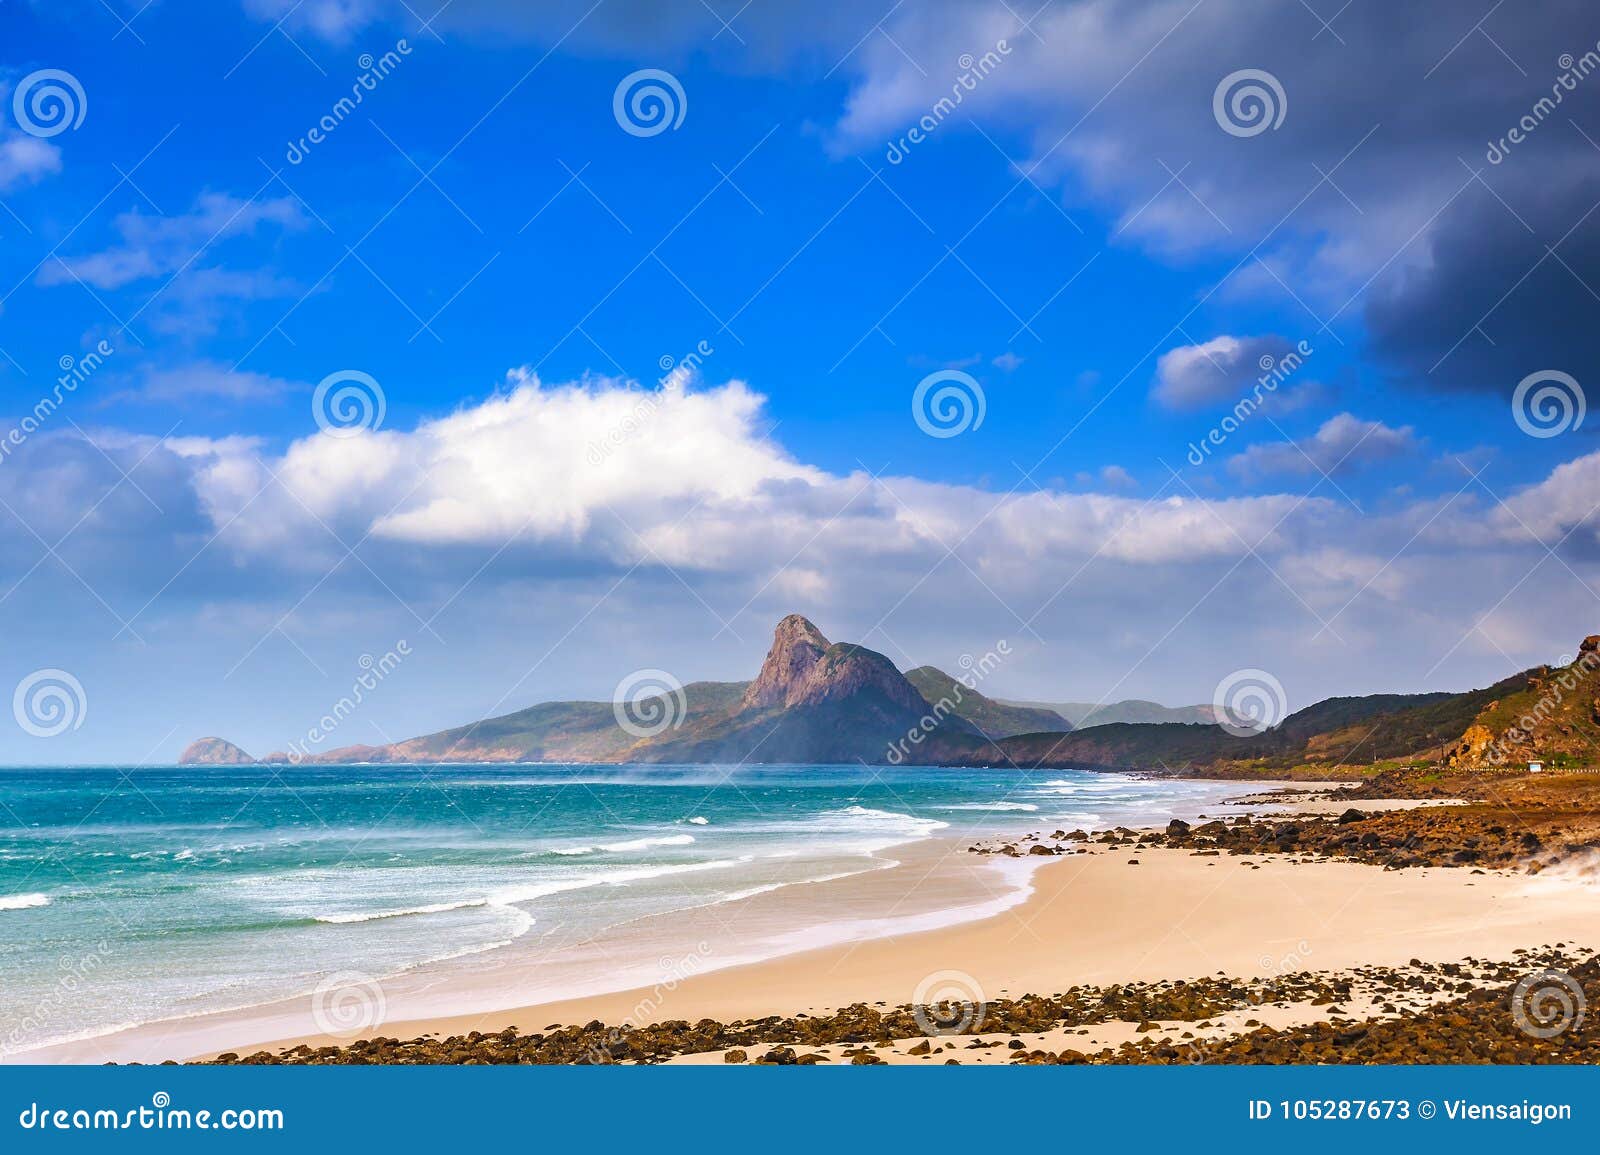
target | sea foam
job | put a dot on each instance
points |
(23, 901)
(1028, 806)
(631, 844)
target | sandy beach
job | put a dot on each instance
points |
(1096, 918)
(937, 917)
(990, 927)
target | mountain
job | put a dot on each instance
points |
(1383, 726)
(812, 701)
(798, 647)
(1550, 713)
(1332, 735)
(819, 701)
(1084, 714)
(548, 732)
(815, 701)
(213, 752)
(1151, 746)
(989, 716)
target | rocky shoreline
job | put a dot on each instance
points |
(1393, 841)
(1531, 1011)
(1522, 822)
(1424, 1013)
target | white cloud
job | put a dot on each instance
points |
(500, 518)
(1563, 508)
(597, 465)
(605, 470)
(1332, 576)
(155, 246)
(1292, 400)
(26, 160)
(1342, 443)
(201, 380)
(1192, 376)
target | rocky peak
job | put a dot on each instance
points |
(797, 648)
(804, 669)
(846, 670)
(213, 752)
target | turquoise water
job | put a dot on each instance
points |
(132, 896)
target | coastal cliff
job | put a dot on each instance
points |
(1553, 715)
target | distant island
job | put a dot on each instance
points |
(831, 702)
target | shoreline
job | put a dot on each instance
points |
(916, 886)
(1093, 919)
(1032, 924)
(951, 885)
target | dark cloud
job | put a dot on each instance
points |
(1499, 300)
(1375, 197)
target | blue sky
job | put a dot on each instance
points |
(1082, 237)
(816, 340)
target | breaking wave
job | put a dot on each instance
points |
(23, 901)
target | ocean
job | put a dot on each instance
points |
(134, 896)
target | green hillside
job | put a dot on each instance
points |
(560, 731)
(992, 718)
(1334, 735)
